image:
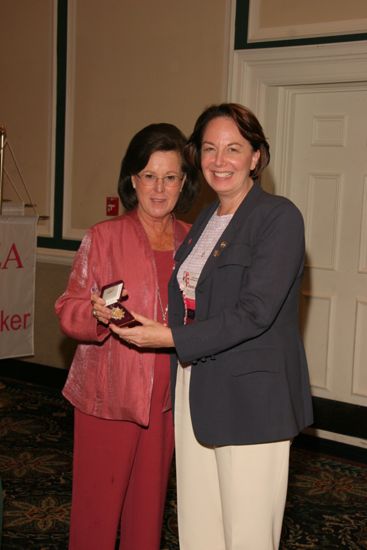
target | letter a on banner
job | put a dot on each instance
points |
(17, 285)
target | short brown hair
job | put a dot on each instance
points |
(247, 124)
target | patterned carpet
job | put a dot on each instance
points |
(326, 505)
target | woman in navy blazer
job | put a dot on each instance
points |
(240, 384)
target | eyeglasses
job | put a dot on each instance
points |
(171, 180)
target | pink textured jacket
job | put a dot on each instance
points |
(108, 379)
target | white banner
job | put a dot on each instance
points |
(17, 285)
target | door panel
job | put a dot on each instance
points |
(326, 178)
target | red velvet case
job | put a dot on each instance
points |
(112, 295)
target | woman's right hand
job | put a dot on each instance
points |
(99, 310)
(148, 334)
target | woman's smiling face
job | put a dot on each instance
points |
(158, 199)
(227, 158)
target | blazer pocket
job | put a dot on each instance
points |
(235, 254)
(256, 360)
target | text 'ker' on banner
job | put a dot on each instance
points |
(18, 238)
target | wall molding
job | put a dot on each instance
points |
(55, 256)
(257, 33)
(249, 34)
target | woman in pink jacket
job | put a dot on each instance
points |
(123, 434)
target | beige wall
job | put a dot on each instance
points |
(130, 63)
(141, 62)
(52, 348)
(27, 34)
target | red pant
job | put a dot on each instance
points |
(120, 475)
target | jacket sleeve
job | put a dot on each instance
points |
(73, 307)
(276, 262)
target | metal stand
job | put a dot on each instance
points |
(2, 147)
(4, 143)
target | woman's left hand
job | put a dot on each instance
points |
(149, 334)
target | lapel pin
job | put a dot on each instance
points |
(222, 246)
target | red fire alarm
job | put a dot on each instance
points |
(112, 206)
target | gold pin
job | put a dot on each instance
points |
(216, 253)
(223, 244)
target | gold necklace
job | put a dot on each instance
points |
(164, 311)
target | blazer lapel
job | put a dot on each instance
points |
(194, 235)
(239, 217)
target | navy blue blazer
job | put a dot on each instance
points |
(249, 377)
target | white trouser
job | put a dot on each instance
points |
(229, 497)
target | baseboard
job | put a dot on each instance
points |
(334, 436)
(32, 372)
(332, 448)
(339, 417)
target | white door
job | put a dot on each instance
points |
(327, 179)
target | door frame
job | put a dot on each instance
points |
(262, 77)
(264, 80)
